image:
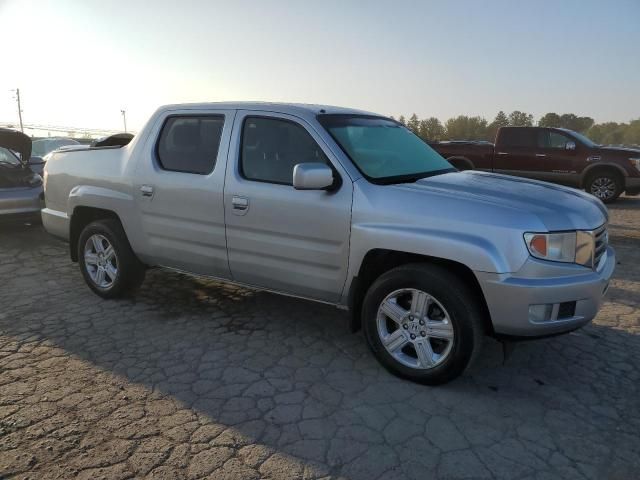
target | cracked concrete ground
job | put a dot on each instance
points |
(194, 379)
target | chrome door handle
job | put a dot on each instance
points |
(503, 153)
(240, 203)
(147, 190)
(540, 155)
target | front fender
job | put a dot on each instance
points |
(471, 249)
(474, 250)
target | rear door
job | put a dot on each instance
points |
(516, 153)
(280, 238)
(178, 186)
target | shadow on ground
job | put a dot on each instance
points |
(193, 378)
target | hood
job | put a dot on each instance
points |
(558, 208)
(620, 151)
(16, 141)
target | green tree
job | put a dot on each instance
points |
(414, 124)
(607, 133)
(520, 119)
(550, 120)
(431, 129)
(575, 123)
(402, 120)
(466, 128)
(632, 133)
(501, 120)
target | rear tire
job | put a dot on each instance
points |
(605, 185)
(449, 329)
(107, 263)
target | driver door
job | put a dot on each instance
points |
(561, 162)
(280, 238)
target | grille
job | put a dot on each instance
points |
(601, 239)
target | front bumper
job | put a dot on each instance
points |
(509, 296)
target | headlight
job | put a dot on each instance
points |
(635, 162)
(557, 247)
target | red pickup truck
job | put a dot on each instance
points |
(551, 154)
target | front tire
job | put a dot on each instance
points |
(607, 186)
(108, 265)
(423, 323)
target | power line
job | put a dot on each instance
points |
(61, 128)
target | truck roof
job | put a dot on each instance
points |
(300, 109)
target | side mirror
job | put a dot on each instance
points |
(36, 161)
(312, 176)
(570, 145)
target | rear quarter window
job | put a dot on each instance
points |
(189, 144)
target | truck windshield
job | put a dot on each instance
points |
(383, 150)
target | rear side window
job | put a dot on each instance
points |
(517, 137)
(190, 144)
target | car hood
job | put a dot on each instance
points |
(16, 141)
(620, 151)
(557, 207)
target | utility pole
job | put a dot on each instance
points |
(124, 119)
(19, 109)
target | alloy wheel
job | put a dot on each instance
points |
(415, 328)
(100, 261)
(604, 188)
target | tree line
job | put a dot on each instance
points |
(464, 127)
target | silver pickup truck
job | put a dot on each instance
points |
(338, 206)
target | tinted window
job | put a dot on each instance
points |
(384, 150)
(550, 139)
(517, 137)
(190, 144)
(271, 148)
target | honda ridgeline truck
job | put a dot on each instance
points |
(338, 206)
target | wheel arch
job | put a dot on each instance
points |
(379, 261)
(602, 167)
(80, 218)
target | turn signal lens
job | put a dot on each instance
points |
(556, 247)
(538, 243)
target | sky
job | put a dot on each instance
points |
(78, 63)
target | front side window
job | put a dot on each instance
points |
(384, 150)
(586, 141)
(551, 139)
(272, 147)
(189, 144)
